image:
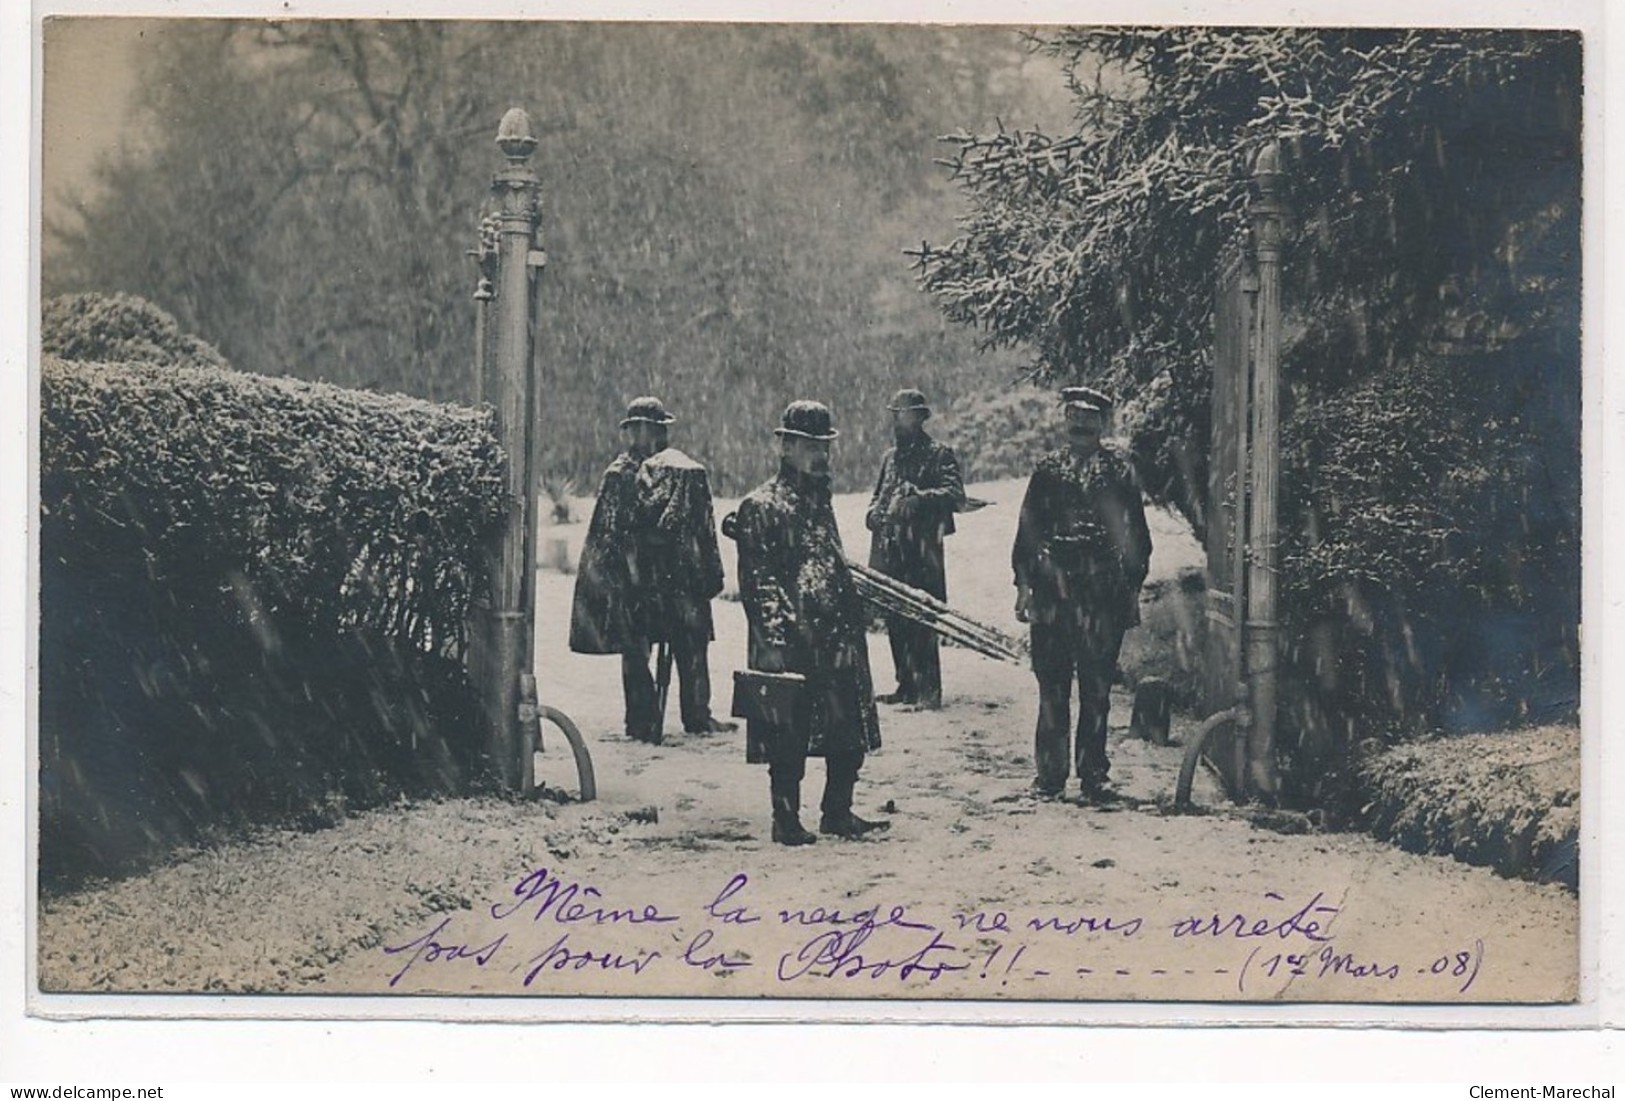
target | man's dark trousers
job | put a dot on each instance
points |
(638, 686)
(914, 646)
(1073, 642)
(787, 766)
(690, 651)
(917, 660)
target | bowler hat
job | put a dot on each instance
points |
(908, 399)
(1086, 397)
(808, 419)
(647, 410)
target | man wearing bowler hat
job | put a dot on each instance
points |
(650, 567)
(1081, 554)
(806, 617)
(910, 513)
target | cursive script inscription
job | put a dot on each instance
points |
(869, 919)
(698, 954)
(733, 915)
(984, 922)
(1087, 923)
(1327, 962)
(1242, 926)
(1053, 952)
(571, 903)
(836, 950)
(429, 948)
(559, 957)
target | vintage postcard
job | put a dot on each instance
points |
(809, 517)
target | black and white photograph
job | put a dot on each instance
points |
(869, 513)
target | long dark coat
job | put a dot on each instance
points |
(907, 539)
(607, 615)
(679, 563)
(1082, 543)
(800, 599)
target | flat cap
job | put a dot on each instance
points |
(1086, 397)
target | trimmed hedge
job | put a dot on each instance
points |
(1429, 560)
(1509, 801)
(252, 604)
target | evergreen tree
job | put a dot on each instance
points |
(1431, 358)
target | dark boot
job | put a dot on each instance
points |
(849, 825)
(712, 725)
(1096, 788)
(837, 819)
(787, 827)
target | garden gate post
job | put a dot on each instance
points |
(1263, 625)
(502, 636)
(1241, 666)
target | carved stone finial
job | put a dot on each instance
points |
(514, 137)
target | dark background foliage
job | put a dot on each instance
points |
(119, 328)
(726, 211)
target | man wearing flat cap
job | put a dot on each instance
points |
(1081, 554)
(650, 567)
(806, 617)
(910, 513)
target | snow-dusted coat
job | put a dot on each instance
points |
(679, 563)
(909, 530)
(1082, 544)
(607, 615)
(800, 599)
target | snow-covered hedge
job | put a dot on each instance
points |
(253, 594)
(1510, 800)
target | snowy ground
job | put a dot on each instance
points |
(668, 884)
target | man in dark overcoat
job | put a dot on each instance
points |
(806, 617)
(681, 568)
(649, 568)
(1081, 554)
(910, 513)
